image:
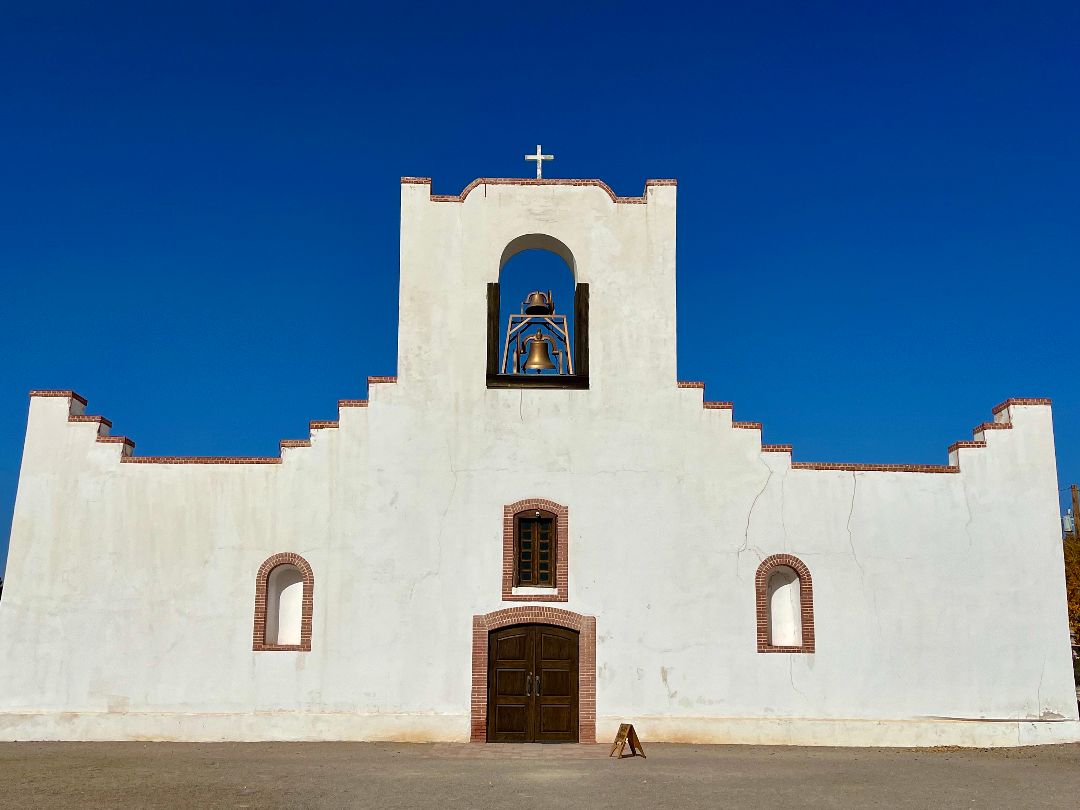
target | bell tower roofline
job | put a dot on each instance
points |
(519, 181)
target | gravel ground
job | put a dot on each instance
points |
(393, 775)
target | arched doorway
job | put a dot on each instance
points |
(551, 620)
(532, 684)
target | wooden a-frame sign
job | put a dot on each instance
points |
(627, 735)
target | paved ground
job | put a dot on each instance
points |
(389, 775)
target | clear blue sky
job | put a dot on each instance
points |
(878, 202)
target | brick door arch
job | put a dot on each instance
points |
(535, 614)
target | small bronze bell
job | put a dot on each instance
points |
(539, 356)
(536, 303)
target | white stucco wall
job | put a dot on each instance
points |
(939, 598)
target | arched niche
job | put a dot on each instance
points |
(785, 605)
(284, 594)
(785, 624)
(284, 606)
(498, 310)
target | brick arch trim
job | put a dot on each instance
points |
(262, 579)
(806, 603)
(535, 614)
(562, 552)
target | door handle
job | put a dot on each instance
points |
(538, 686)
(528, 685)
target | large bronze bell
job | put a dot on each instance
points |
(536, 303)
(539, 353)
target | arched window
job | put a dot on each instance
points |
(785, 605)
(283, 602)
(557, 334)
(535, 551)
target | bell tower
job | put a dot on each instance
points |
(620, 252)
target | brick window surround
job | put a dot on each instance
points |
(562, 567)
(806, 603)
(258, 636)
(535, 614)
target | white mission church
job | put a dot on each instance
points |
(536, 538)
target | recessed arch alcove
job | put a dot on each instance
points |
(548, 265)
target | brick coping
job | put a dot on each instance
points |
(319, 424)
(55, 392)
(128, 445)
(858, 467)
(546, 181)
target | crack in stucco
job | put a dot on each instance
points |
(855, 556)
(749, 516)
(664, 671)
(1038, 689)
(442, 527)
(851, 513)
(967, 503)
(677, 649)
(791, 675)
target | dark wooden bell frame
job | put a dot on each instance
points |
(578, 380)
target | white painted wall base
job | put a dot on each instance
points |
(914, 733)
(277, 726)
(330, 726)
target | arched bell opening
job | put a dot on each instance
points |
(537, 318)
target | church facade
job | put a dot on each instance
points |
(474, 552)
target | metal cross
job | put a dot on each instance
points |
(539, 158)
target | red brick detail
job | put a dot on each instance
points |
(101, 420)
(690, 384)
(535, 614)
(958, 445)
(319, 424)
(124, 440)
(352, 403)
(294, 443)
(776, 448)
(374, 380)
(57, 393)
(718, 406)
(747, 425)
(417, 181)
(258, 635)
(975, 431)
(562, 559)
(1021, 401)
(806, 602)
(514, 181)
(911, 468)
(200, 460)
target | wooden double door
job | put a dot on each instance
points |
(532, 684)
